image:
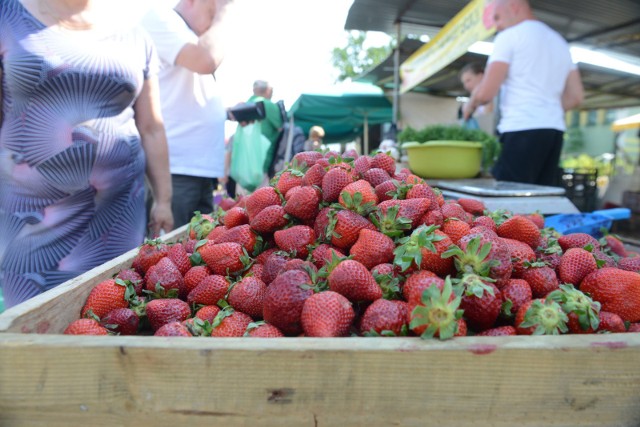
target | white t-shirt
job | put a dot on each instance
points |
(192, 108)
(539, 63)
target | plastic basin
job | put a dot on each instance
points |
(444, 159)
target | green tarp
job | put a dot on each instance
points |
(342, 110)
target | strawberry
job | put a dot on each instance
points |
(629, 264)
(173, 329)
(247, 296)
(288, 179)
(481, 302)
(295, 239)
(307, 158)
(437, 313)
(85, 327)
(262, 330)
(178, 254)
(262, 257)
(326, 314)
(614, 245)
(132, 276)
(201, 225)
(227, 203)
(353, 280)
(167, 310)
(485, 221)
(273, 266)
(260, 199)
(235, 216)
(208, 313)
(372, 248)
(323, 253)
(541, 317)
(284, 300)
(423, 250)
(499, 331)
(269, 219)
(241, 234)
(194, 276)
(432, 217)
(537, 218)
(577, 240)
(515, 294)
(303, 202)
(351, 153)
(344, 227)
(413, 209)
(384, 162)
(321, 224)
(634, 327)
(334, 181)
(541, 278)
(498, 257)
(362, 164)
(223, 258)
(452, 209)
(520, 228)
(256, 270)
(313, 176)
(166, 275)
(473, 206)
(209, 291)
(358, 196)
(521, 253)
(217, 232)
(423, 191)
(603, 259)
(230, 323)
(384, 317)
(455, 229)
(376, 176)
(607, 322)
(123, 321)
(298, 264)
(106, 296)
(389, 223)
(417, 283)
(580, 308)
(149, 253)
(618, 291)
(385, 189)
(575, 265)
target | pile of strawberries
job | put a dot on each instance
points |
(347, 246)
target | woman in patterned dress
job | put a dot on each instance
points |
(80, 124)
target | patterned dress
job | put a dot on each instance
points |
(71, 161)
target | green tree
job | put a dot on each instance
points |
(354, 59)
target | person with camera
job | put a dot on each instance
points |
(189, 43)
(272, 124)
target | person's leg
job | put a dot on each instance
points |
(186, 196)
(205, 204)
(231, 187)
(553, 140)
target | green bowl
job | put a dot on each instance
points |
(444, 159)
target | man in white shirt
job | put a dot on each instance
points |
(189, 44)
(531, 66)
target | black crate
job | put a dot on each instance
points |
(631, 200)
(581, 187)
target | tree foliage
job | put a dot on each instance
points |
(354, 59)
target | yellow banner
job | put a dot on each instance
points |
(473, 23)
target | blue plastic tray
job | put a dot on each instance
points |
(590, 223)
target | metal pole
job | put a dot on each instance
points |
(366, 134)
(396, 77)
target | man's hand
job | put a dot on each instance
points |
(161, 218)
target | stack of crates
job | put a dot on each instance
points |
(581, 187)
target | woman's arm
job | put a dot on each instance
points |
(154, 143)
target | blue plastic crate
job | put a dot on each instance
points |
(590, 223)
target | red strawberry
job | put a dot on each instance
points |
(209, 291)
(194, 276)
(230, 323)
(485, 221)
(577, 240)
(334, 181)
(424, 249)
(178, 254)
(106, 296)
(241, 234)
(85, 327)
(269, 219)
(473, 206)
(455, 229)
(515, 294)
(384, 190)
(216, 232)
(362, 164)
(273, 266)
(413, 209)
(262, 330)
(307, 158)
(288, 179)
(247, 296)
(260, 199)
(607, 322)
(618, 291)
(537, 218)
(165, 274)
(123, 321)
(227, 203)
(321, 223)
(372, 248)
(384, 317)
(323, 253)
(173, 329)
(134, 277)
(358, 196)
(235, 216)
(376, 176)
(481, 302)
(353, 280)
(452, 209)
(298, 264)
(481, 249)
(295, 239)
(614, 244)
(541, 278)
(208, 313)
(167, 310)
(201, 225)
(303, 202)
(384, 162)
(326, 314)
(437, 314)
(575, 265)
(541, 317)
(521, 253)
(222, 258)
(314, 176)
(417, 283)
(432, 217)
(150, 253)
(424, 191)
(284, 301)
(629, 264)
(520, 228)
(346, 229)
(500, 331)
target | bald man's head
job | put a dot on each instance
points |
(508, 13)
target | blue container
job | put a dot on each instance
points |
(590, 223)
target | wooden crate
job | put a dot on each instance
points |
(51, 379)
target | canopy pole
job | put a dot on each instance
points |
(287, 152)
(366, 134)
(396, 77)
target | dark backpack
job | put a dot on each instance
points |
(297, 145)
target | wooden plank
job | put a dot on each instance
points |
(52, 311)
(51, 380)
